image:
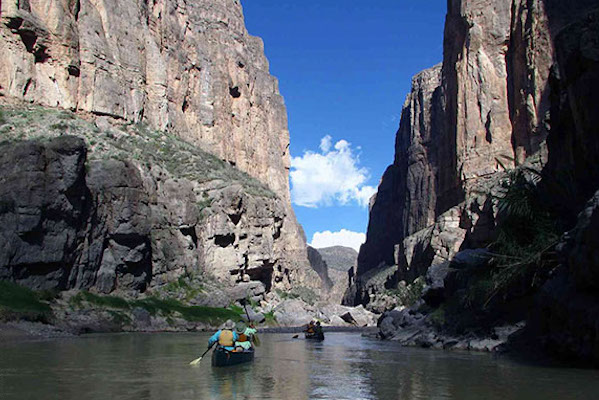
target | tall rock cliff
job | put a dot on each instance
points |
(567, 308)
(482, 111)
(516, 94)
(181, 67)
(187, 67)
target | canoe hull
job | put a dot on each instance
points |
(315, 336)
(223, 358)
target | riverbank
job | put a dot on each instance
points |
(27, 330)
(371, 331)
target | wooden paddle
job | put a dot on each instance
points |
(197, 360)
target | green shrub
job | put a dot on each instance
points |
(167, 307)
(20, 302)
(270, 318)
(303, 293)
(119, 318)
(437, 317)
(98, 300)
(527, 234)
(407, 294)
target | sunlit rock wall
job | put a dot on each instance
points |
(486, 109)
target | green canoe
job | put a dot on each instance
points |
(224, 358)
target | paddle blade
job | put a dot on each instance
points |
(196, 361)
(256, 340)
(295, 336)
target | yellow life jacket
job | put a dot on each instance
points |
(225, 338)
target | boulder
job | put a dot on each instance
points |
(336, 321)
(255, 317)
(141, 317)
(434, 291)
(359, 316)
(246, 290)
(470, 259)
(293, 312)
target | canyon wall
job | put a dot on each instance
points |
(516, 92)
(484, 110)
(567, 307)
(186, 68)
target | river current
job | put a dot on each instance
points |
(344, 366)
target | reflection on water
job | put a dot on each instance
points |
(344, 366)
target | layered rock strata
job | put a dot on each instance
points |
(187, 68)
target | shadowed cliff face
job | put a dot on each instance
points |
(184, 67)
(482, 111)
(406, 198)
(123, 225)
(568, 304)
(518, 88)
(320, 266)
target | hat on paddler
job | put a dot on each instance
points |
(240, 327)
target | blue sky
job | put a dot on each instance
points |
(344, 69)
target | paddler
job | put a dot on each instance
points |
(318, 329)
(245, 334)
(310, 328)
(226, 338)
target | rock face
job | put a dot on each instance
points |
(568, 306)
(482, 111)
(397, 210)
(339, 258)
(335, 266)
(189, 68)
(44, 203)
(186, 67)
(320, 266)
(120, 225)
(516, 88)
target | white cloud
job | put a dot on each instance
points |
(341, 238)
(325, 143)
(329, 177)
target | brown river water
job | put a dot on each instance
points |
(344, 366)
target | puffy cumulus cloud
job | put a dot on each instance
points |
(341, 238)
(331, 176)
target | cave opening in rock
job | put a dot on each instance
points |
(262, 274)
(234, 92)
(191, 232)
(224, 240)
(74, 70)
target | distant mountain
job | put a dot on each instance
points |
(320, 266)
(339, 258)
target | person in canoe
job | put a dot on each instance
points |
(318, 329)
(310, 328)
(245, 335)
(226, 338)
(314, 331)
